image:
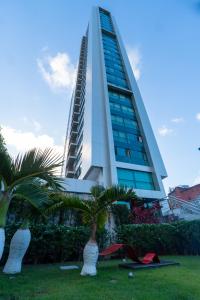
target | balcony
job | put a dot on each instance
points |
(74, 125)
(75, 116)
(73, 135)
(70, 173)
(70, 160)
(72, 147)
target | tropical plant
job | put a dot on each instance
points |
(2, 142)
(95, 214)
(24, 178)
(146, 214)
(20, 241)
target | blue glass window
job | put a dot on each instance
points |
(113, 62)
(116, 108)
(106, 22)
(135, 179)
(126, 132)
(127, 138)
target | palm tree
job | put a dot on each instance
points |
(24, 178)
(28, 214)
(95, 214)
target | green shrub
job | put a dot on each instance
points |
(58, 243)
(149, 237)
(176, 238)
(189, 237)
(52, 243)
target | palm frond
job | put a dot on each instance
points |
(5, 167)
(63, 201)
(113, 194)
(37, 163)
(96, 190)
(32, 192)
(88, 218)
(117, 193)
(101, 219)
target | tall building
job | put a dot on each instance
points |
(109, 137)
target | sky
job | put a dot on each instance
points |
(40, 42)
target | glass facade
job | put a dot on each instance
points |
(135, 179)
(113, 62)
(106, 23)
(128, 141)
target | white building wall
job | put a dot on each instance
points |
(96, 151)
(79, 186)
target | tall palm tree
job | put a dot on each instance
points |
(24, 178)
(95, 214)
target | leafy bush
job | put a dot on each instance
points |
(58, 243)
(55, 243)
(149, 237)
(177, 238)
(189, 237)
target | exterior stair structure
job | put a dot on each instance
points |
(184, 210)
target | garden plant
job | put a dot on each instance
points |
(29, 177)
(95, 214)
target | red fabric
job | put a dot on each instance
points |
(112, 249)
(150, 258)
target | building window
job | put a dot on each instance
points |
(106, 22)
(120, 151)
(126, 132)
(113, 62)
(135, 179)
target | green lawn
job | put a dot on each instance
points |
(49, 282)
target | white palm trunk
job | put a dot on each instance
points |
(2, 241)
(18, 247)
(90, 257)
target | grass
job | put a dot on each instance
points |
(48, 282)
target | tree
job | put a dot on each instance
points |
(24, 178)
(20, 241)
(95, 214)
(2, 143)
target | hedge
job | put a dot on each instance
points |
(58, 243)
(177, 238)
(55, 243)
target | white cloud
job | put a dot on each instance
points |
(164, 131)
(57, 71)
(177, 120)
(198, 117)
(25, 140)
(134, 56)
